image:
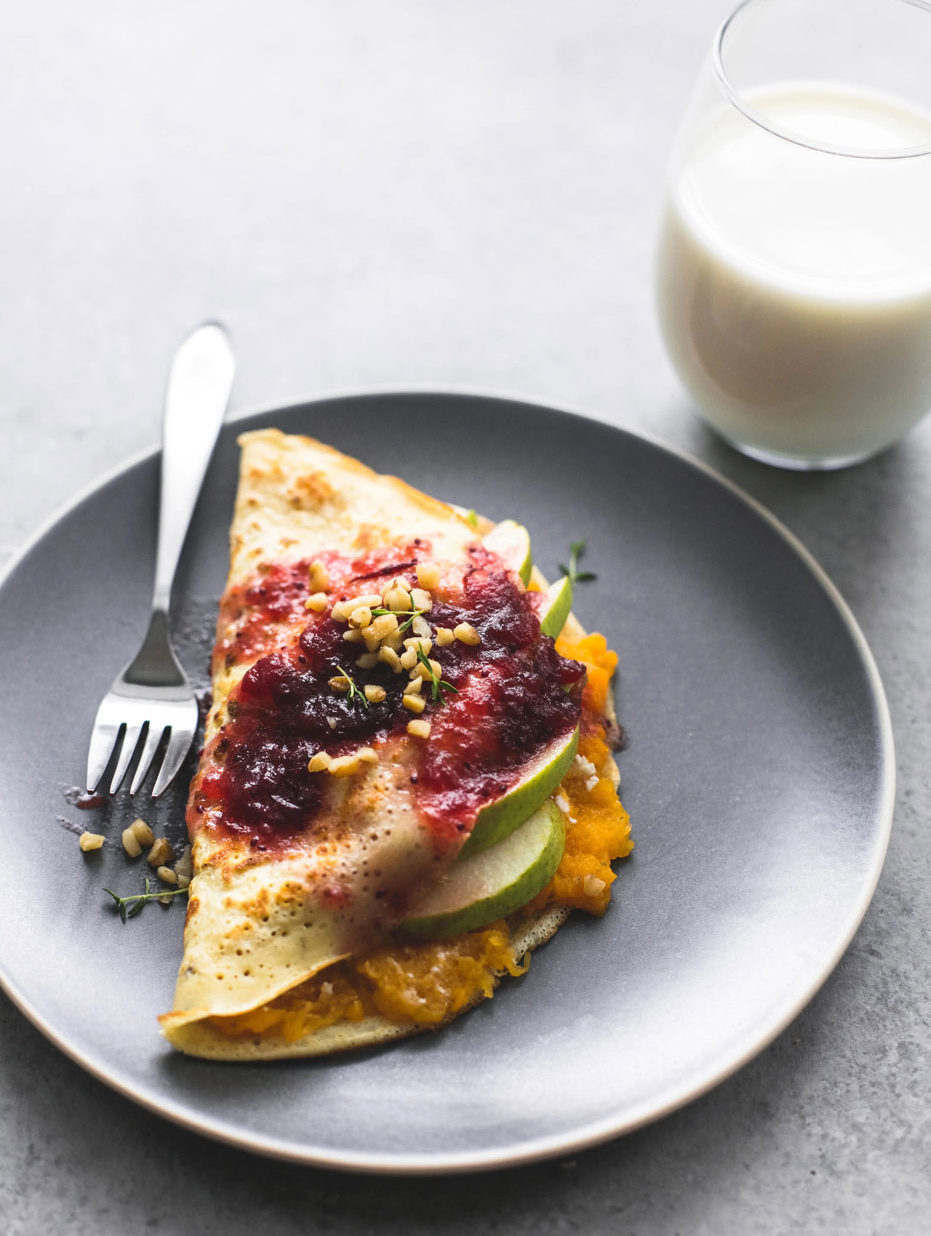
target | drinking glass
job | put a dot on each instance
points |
(793, 270)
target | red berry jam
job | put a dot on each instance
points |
(496, 704)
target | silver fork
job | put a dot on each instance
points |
(152, 695)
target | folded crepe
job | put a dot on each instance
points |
(387, 716)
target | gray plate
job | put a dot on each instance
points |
(758, 777)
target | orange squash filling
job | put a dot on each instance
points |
(426, 984)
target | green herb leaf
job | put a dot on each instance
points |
(129, 907)
(355, 695)
(437, 685)
(409, 616)
(575, 576)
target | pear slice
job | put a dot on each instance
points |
(557, 602)
(511, 542)
(539, 778)
(488, 886)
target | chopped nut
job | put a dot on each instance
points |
(319, 762)
(428, 575)
(367, 755)
(360, 617)
(317, 601)
(408, 658)
(368, 660)
(142, 831)
(444, 636)
(339, 682)
(415, 686)
(398, 600)
(592, 886)
(400, 582)
(352, 636)
(419, 728)
(339, 612)
(332, 722)
(418, 642)
(319, 576)
(184, 867)
(413, 703)
(591, 783)
(390, 657)
(467, 634)
(383, 625)
(131, 842)
(421, 670)
(421, 627)
(393, 641)
(166, 875)
(421, 598)
(90, 841)
(160, 853)
(344, 766)
(373, 693)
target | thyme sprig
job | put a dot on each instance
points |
(380, 610)
(437, 684)
(575, 576)
(138, 900)
(355, 695)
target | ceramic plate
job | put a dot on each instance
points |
(758, 777)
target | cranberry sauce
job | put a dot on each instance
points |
(507, 697)
(515, 696)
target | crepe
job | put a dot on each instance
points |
(300, 874)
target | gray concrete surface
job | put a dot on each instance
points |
(443, 194)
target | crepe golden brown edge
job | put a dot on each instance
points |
(295, 496)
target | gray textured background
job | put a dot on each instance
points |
(456, 193)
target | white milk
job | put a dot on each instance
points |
(794, 286)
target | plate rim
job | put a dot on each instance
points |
(606, 1129)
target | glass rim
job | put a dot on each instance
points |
(764, 121)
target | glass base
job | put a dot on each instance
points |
(830, 463)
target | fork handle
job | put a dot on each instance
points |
(199, 386)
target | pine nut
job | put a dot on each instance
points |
(419, 728)
(317, 602)
(383, 625)
(360, 617)
(90, 841)
(374, 694)
(421, 598)
(339, 682)
(413, 703)
(415, 685)
(408, 659)
(352, 636)
(444, 636)
(166, 875)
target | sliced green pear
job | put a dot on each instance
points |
(557, 602)
(511, 542)
(539, 778)
(487, 886)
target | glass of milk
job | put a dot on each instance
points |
(794, 262)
